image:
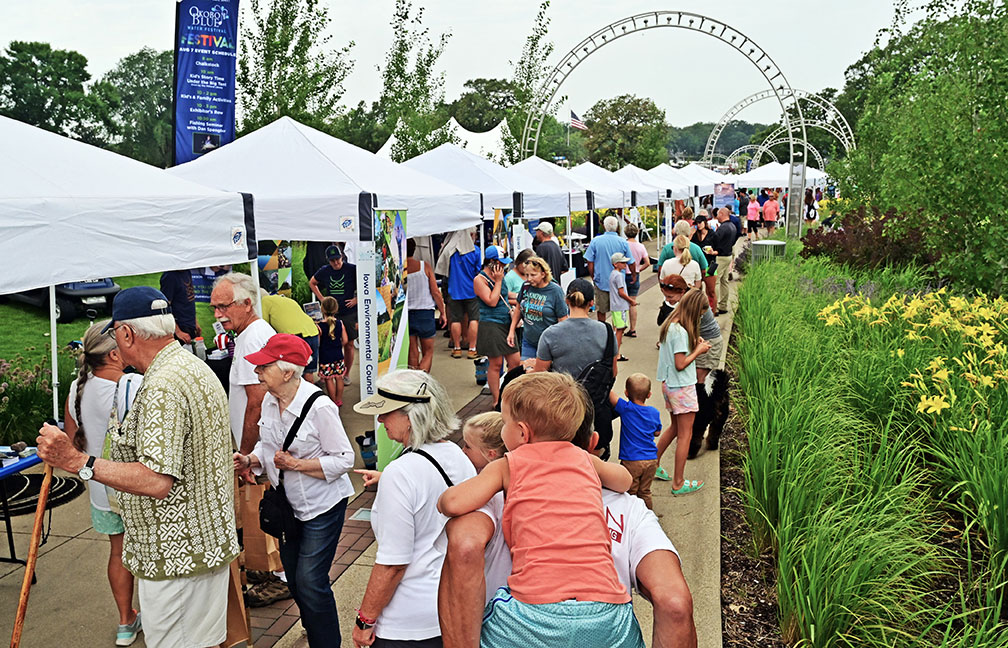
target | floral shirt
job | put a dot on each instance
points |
(179, 426)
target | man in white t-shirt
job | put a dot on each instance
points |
(233, 305)
(478, 561)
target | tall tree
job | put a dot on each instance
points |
(933, 134)
(412, 88)
(286, 66)
(529, 73)
(45, 87)
(143, 120)
(484, 104)
(626, 130)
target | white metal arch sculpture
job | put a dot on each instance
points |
(781, 89)
(733, 157)
(777, 135)
(764, 149)
(832, 116)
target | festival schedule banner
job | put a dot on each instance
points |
(206, 39)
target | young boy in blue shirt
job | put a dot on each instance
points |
(640, 424)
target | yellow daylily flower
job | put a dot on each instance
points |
(932, 404)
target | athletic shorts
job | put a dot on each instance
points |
(422, 324)
(601, 300)
(509, 623)
(106, 522)
(458, 309)
(350, 324)
(620, 319)
(712, 358)
(185, 612)
(680, 400)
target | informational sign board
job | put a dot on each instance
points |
(381, 309)
(206, 48)
(724, 196)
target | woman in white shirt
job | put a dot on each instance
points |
(101, 387)
(314, 471)
(683, 264)
(399, 606)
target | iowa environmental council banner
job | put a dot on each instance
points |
(206, 38)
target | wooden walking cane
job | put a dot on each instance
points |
(33, 548)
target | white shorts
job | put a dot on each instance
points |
(188, 612)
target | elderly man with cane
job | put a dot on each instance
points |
(170, 460)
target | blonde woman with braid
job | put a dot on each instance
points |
(99, 397)
(683, 263)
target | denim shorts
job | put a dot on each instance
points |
(422, 324)
(633, 287)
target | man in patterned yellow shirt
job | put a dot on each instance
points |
(171, 462)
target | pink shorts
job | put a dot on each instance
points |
(680, 400)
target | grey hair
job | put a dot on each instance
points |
(243, 288)
(682, 228)
(152, 326)
(431, 421)
(298, 370)
(610, 223)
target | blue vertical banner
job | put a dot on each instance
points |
(206, 51)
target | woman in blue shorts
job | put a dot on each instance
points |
(422, 296)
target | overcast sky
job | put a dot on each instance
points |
(691, 76)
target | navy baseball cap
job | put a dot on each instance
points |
(139, 301)
(333, 252)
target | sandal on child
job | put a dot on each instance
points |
(689, 486)
(630, 334)
(662, 474)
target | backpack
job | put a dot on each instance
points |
(598, 380)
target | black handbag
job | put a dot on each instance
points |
(276, 517)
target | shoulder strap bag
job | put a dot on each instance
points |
(276, 516)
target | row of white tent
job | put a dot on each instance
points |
(77, 212)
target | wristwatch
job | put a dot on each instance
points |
(87, 472)
(363, 622)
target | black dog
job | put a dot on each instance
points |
(713, 402)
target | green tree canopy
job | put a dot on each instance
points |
(45, 87)
(484, 104)
(626, 130)
(142, 117)
(933, 136)
(286, 66)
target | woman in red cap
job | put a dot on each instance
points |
(312, 465)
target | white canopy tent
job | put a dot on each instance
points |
(702, 179)
(671, 174)
(604, 195)
(488, 144)
(776, 174)
(550, 174)
(74, 212)
(589, 172)
(309, 186)
(674, 189)
(502, 188)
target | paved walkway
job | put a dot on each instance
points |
(72, 605)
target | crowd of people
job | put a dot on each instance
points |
(160, 449)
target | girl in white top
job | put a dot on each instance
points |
(101, 387)
(683, 263)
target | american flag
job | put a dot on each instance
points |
(576, 122)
